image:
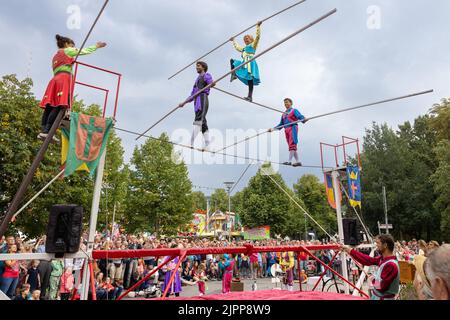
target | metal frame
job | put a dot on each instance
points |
(248, 249)
(336, 149)
(119, 79)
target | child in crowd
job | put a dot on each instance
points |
(32, 277)
(66, 284)
(200, 278)
(36, 295)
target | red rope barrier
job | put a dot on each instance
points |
(321, 276)
(146, 277)
(335, 273)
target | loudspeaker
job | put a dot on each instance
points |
(64, 229)
(350, 232)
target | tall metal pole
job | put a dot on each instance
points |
(335, 175)
(385, 210)
(208, 208)
(93, 222)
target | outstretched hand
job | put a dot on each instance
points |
(259, 23)
(181, 105)
(345, 248)
(232, 39)
(100, 45)
(305, 121)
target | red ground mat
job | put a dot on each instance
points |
(274, 295)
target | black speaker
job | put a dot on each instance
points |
(64, 229)
(350, 232)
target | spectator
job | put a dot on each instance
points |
(10, 277)
(421, 282)
(438, 271)
(55, 277)
(24, 293)
(422, 248)
(66, 284)
(432, 245)
(32, 277)
(35, 295)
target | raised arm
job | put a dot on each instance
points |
(258, 36)
(236, 45)
(72, 52)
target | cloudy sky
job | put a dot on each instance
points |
(368, 51)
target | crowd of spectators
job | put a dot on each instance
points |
(57, 279)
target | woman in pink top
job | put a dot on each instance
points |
(10, 277)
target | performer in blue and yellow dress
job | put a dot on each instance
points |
(248, 74)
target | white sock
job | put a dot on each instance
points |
(195, 133)
(291, 155)
(296, 156)
(206, 139)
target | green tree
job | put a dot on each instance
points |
(263, 206)
(219, 200)
(198, 201)
(441, 180)
(159, 197)
(20, 124)
(312, 192)
(402, 162)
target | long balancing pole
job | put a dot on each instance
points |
(238, 67)
(328, 114)
(236, 35)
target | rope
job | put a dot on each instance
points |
(255, 103)
(242, 175)
(213, 152)
(360, 219)
(224, 43)
(328, 114)
(293, 200)
(238, 67)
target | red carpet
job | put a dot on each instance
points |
(274, 295)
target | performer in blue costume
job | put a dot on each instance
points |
(291, 115)
(248, 74)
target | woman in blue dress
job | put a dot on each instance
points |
(248, 74)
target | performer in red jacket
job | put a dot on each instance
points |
(386, 281)
(59, 89)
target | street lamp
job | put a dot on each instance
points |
(229, 186)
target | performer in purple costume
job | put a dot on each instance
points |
(201, 104)
(175, 287)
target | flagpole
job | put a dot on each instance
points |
(93, 221)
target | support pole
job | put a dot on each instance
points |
(91, 272)
(385, 210)
(30, 174)
(335, 175)
(93, 222)
(299, 272)
(37, 195)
